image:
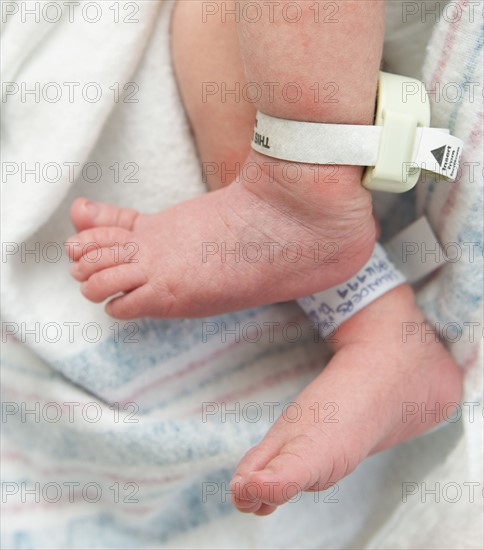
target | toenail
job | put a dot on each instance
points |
(91, 207)
(235, 486)
(236, 479)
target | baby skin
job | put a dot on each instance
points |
(373, 372)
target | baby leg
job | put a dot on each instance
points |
(367, 383)
(229, 250)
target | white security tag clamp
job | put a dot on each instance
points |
(395, 150)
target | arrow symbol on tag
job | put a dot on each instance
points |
(439, 154)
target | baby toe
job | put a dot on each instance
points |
(133, 305)
(106, 283)
(86, 214)
(98, 260)
(90, 241)
(299, 465)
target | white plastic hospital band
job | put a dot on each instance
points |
(315, 143)
(395, 150)
(332, 307)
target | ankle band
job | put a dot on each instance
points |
(395, 150)
(402, 260)
(332, 307)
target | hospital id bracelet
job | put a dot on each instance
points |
(388, 267)
(395, 149)
(332, 307)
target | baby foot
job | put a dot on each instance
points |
(243, 246)
(354, 408)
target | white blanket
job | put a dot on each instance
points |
(118, 407)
